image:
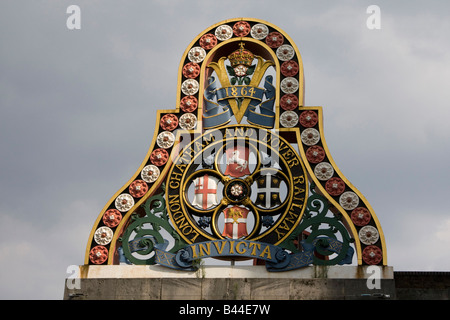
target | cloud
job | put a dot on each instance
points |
(418, 243)
(442, 234)
(78, 116)
(38, 254)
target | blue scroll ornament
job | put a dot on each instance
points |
(277, 259)
(219, 113)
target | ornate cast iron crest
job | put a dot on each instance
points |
(239, 169)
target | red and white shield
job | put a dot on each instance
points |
(235, 222)
(205, 192)
(237, 162)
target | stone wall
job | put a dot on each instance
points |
(230, 283)
(414, 285)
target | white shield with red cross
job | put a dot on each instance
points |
(205, 192)
(235, 222)
(237, 162)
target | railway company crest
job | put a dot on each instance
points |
(239, 169)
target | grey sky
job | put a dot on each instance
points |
(77, 116)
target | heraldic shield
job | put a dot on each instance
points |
(205, 192)
(237, 162)
(268, 190)
(235, 222)
(239, 169)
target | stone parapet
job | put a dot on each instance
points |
(231, 283)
